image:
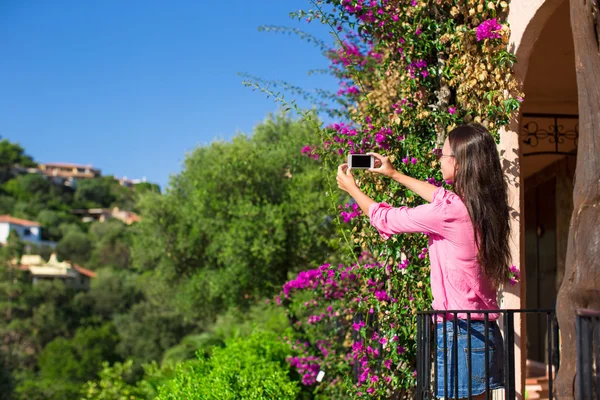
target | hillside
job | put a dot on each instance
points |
(68, 201)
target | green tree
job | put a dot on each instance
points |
(114, 384)
(145, 187)
(7, 203)
(31, 317)
(28, 187)
(238, 219)
(6, 379)
(248, 368)
(51, 221)
(33, 193)
(148, 329)
(96, 192)
(15, 247)
(12, 154)
(79, 358)
(111, 244)
(66, 364)
(44, 250)
(74, 246)
(231, 324)
(111, 293)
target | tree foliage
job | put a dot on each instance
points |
(248, 368)
(11, 155)
(238, 218)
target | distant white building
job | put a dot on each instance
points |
(72, 274)
(124, 181)
(29, 231)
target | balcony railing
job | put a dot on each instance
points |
(428, 329)
(588, 354)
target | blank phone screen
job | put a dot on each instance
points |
(361, 161)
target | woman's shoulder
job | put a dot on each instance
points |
(449, 201)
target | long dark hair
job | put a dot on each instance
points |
(479, 182)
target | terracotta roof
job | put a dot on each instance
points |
(83, 271)
(17, 221)
(133, 217)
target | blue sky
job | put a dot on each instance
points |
(131, 86)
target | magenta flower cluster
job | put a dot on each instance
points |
(327, 278)
(345, 138)
(332, 287)
(411, 160)
(418, 67)
(488, 29)
(347, 90)
(514, 275)
(310, 151)
(350, 212)
(308, 367)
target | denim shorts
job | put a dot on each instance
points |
(457, 366)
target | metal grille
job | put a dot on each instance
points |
(549, 134)
(428, 327)
(588, 354)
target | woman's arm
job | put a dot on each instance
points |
(389, 220)
(363, 201)
(346, 182)
(423, 189)
(384, 166)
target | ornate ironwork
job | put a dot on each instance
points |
(552, 140)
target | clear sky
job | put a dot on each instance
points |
(130, 86)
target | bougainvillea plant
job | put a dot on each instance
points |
(409, 72)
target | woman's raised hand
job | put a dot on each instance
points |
(383, 165)
(344, 178)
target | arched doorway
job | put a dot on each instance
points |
(547, 153)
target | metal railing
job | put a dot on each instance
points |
(588, 354)
(461, 324)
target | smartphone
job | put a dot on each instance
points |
(361, 161)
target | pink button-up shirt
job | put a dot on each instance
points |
(457, 280)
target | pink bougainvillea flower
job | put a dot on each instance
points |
(357, 326)
(488, 29)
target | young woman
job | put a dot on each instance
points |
(468, 248)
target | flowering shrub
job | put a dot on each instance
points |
(514, 276)
(409, 72)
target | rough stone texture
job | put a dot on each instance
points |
(581, 284)
(565, 171)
